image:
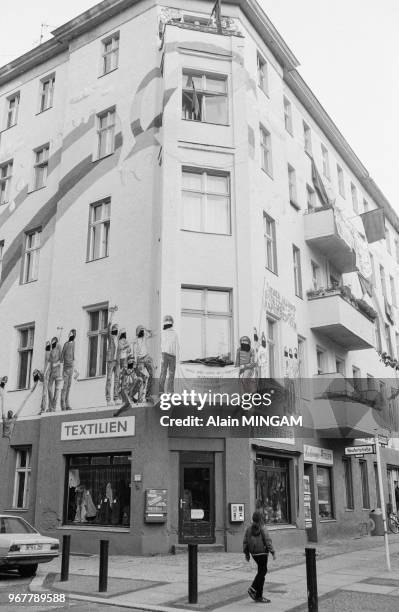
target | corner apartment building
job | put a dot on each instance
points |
(155, 161)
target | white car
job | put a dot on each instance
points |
(22, 547)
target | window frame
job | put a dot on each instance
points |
(206, 314)
(262, 73)
(2, 245)
(266, 150)
(103, 223)
(112, 53)
(270, 239)
(310, 199)
(288, 124)
(325, 162)
(30, 329)
(388, 339)
(205, 93)
(365, 487)
(102, 131)
(296, 256)
(307, 138)
(348, 480)
(12, 113)
(46, 98)
(393, 291)
(29, 264)
(355, 201)
(101, 333)
(40, 164)
(27, 471)
(205, 196)
(5, 181)
(341, 181)
(292, 186)
(331, 492)
(272, 345)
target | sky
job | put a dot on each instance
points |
(347, 50)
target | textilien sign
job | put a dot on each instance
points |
(98, 428)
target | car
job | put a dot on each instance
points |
(22, 547)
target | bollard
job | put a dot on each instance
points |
(192, 573)
(66, 547)
(311, 577)
(103, 574)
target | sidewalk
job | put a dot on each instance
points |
(346, 568)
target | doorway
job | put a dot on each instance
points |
(197, 498)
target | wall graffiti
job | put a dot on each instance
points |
(279, 306)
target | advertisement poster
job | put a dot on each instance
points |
(199, 305)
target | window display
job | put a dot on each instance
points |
(324, 493)
(272, 489)
(98, 491)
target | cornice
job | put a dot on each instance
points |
(32, 58)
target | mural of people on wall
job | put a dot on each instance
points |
(113, 367)
(169, 354)
(68, 361)
(246, 361)
(143, 360)
(46, 375)
(55, 375)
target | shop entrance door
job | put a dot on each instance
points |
(197, 498)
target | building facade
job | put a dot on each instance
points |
(153, 159)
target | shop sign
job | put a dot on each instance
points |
(314, 454)
(98, 428)
(365, 449)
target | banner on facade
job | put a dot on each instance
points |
(98, 428)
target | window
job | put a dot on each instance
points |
(205, 201)
(30, 260)
(204, 98)
(271, 343)
(397, 250)
(26, 337)
(366, 206)
(377, 485)
(46, 93)
(97, 341)
(307, 137)
(106, 133)
(263, 81)
(347, 464)
(12, 110)
(357, 381)
(99, 225)
(296, 255)
(272, 488)
(316, 277)
(326, 162)
(292, 185)
(397, 347)
(388, 339)
(110, 53)
(41, 166)
(5, 181)
(340, 366)
(341, 183)
(372, 268)
(365, 484)
(320, 359)
(324, 493)
(206, 323)
(269, 232)
(383, 282)
(371, 386)
(98, 490)
(266, 150)
(355, 203)
(377, 333)
(393, 290)
(388, 240)
(310, 198)
(1, 257)
(22, 478)
(288, 115)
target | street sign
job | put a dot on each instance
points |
(383, 439)
(365, 449)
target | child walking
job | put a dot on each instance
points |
(257, 543)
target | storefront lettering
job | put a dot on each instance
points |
(80, 430)
(315, 454)
(279, 306)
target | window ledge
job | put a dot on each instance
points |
(206, 122)
(8, 128)
(43, 111)
(295, 205)
(91, 378)
(328, 520)
(18, 390)
(108, 72)
(15, 510)
(279, 527)
(349, 509)
(97, 159)
(29, 282)
(266, 93)
(272, 271)
(203, 232)
(36, 189)
(269, 174)
(94, 528)
(97, 259)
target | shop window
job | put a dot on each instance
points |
(272, 489)
(22, 478)
(98, 490)
(204, 97)
(365, 484)
(206, 323)
(349, 504)
(324, 493)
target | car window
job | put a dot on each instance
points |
(14, 525)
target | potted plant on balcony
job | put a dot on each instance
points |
(366, 309)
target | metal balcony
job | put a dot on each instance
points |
(333, 239)
(334, 315)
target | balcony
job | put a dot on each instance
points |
(328, 234)
(346, 320)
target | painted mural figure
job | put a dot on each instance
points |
(245, 360)
(143, 360)
(131, 387)
(113, 368)
(170, 353)
(9, 417)
(55, 375)
(46, 375)
(262, 358)
(68, 360)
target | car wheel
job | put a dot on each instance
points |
(26, 571)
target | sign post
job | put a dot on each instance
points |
(384, 516)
